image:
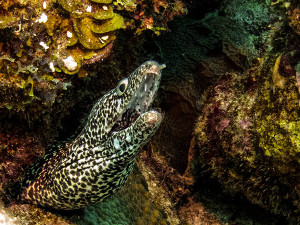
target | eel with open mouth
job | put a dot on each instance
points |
(101, 158)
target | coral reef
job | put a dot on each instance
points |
(154, 15)
(43, 39)
(197, 54)
(248, 136)
(294, 15)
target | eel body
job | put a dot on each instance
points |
(101, 158)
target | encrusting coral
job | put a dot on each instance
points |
(248, 133)
(43, 42)
(248, 136)
(14, 159)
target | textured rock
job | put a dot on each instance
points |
(248, 137)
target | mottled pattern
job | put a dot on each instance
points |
(101, 158)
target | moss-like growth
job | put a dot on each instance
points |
(248, 133)
(248, 136)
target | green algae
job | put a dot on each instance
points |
(103, 12)
(70, 5)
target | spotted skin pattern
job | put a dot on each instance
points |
(99, 161)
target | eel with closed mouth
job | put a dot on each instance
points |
(101, 158)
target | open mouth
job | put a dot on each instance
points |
(141, 100)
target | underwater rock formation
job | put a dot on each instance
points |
(197, 53)
(15, 157)
(248, 133)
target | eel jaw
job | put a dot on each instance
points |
(141, 100)
(152, 118)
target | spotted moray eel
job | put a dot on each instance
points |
(101, 158)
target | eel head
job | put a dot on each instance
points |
(124, 109)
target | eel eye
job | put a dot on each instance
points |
(122, 86)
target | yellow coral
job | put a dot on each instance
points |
(94, 26)
(48, 39)
(91, 23)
